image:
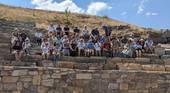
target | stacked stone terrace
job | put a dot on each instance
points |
(150, 74)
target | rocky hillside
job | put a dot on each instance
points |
(43, 18)
(15, 17)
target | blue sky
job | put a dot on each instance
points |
(145, 13)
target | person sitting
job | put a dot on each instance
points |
(89, 48)
(138, 49)
(66, 30)
(66, 46)
(116, 47)
(98, 48)
(45, 49)
(81, 47)
(148, 45)
(128, 49)
(107, 48)
(16, 45)
(26, 46)
(73, 47)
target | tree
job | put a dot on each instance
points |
(67, 15)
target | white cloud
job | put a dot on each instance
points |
(55, 6)
(151, 14)
(123, 13)
(93, 9)
(141, 6)
(96, 7)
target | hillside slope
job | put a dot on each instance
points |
(43, 18)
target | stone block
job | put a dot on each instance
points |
(129, 66)
(167, 61)
(65, 64)
(164, 57)
(48, 83)
(114, 60)
(84, 76)
(142, 60)
(26, 78)
(54, 75)
(81, 66)
(123, 86)
(19, 86)
(167, 68)
(167, 51)
(10, 86)
(113, 86)
(16, 92)
(105, 76)
(36, 80)
(128, 60)
(47, 63)
(153, 67)
(159, 51)
(132, 91)
(19, 72)
(42, 89)
(9, 79)
(33, 72)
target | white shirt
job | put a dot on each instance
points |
(81, 45)
(51, 29)
(38, 34)
(97, 46)
(148, 43)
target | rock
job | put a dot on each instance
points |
(83, 76)
(167, 61)
(123, 86)
(11, 86)
(19, 86)
(56, 76)
(9, 79)
(48, 83)
(142, 60)
(81, 66)
(113, 86)
(42, 89)
(19, 72)
(164, 57)
(160, 51)
(114, 60)
(129, 66)
(65, 64)
(167, 51)
(36, 80)
(153, 67)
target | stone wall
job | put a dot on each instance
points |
(53, 80)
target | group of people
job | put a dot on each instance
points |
(63, 41)
(20, 44)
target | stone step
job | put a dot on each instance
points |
(84, 59)
(167, 51)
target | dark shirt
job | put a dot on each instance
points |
(76, 30)
(95, 32)
(107, 30)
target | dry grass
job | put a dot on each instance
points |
(43, 18)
